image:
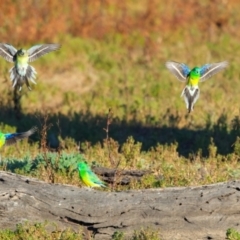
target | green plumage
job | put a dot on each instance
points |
(191, 92)
(89, 178)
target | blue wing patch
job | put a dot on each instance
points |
(10, 135)
(204, 69)
(185, 69)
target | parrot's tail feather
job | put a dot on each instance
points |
(190, 96)
(27, 83)
(31, 74)
(190, 107)
(18, 80)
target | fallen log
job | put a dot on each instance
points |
(203, 212)
(123, 177)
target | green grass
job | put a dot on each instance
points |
(232, 234)
(166, 166)
(78, 89)
(150, 128)
(50, 231)
(40, 231)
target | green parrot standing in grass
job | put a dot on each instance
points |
(11, 138)
(89, 178)
(22, 72)
(192, 77)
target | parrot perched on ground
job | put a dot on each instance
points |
(22, 72)
(192, 77)
(11, 138)
(89, 178)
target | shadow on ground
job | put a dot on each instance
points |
(85, 127)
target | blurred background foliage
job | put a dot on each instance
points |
(98, 19)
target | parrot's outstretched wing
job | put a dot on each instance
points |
(7, 51)
(208, 70)
(180, 70)
(12, 138)
(40, 50)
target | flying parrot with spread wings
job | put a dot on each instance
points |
(191, 92)
(22, 72)
(11, 138)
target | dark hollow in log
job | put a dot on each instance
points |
(203, 212)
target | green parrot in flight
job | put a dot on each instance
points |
(191, 92)
(22, 72)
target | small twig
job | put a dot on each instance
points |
(60, 133)
(43, 133)
(44, 147)
(109, 121)
(114, 165)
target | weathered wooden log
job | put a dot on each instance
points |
(203, 212)
(123, 177)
